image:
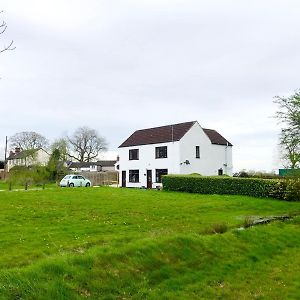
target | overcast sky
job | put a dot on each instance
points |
(119, 66)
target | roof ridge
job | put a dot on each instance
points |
(167, 125)
(160, 134)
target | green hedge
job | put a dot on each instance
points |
(254, 187)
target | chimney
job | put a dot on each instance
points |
(17, 150)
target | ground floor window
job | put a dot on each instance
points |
(134, 176)
(159, 173)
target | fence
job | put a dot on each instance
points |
(102, 178)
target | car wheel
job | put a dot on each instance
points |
(71, 184)
(88, 184)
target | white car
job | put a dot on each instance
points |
(75, 180)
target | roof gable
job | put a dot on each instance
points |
(156, 135)
(216, 138)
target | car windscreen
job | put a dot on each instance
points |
(67, 177)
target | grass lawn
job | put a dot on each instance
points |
(4, 186)
(107, 243)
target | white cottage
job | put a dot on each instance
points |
(27, 158)
(183, 148)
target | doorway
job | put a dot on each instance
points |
(123, 178)
(149, 179)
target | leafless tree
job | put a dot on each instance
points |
(86, 144)
(28, 140)
(3, 28)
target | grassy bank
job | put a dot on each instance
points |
(121, 244)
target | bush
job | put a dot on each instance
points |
(28, 176)
(292, 192)
(278, 190)
(219, 185)
(256, 187)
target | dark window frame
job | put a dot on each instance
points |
(197, 151)
(159, 173)
(133, 154)
(134, 176)
(161, 152)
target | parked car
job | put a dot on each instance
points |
(72, 180)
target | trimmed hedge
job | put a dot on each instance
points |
(254, 187)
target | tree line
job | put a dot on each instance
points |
(84, 145)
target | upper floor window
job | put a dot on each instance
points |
(134, 175)
(161, 152)
(197, 151)
(134, 154)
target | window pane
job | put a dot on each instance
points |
(159, 173)
(197, 151)
(134, 154)
(133, 175)
(161, 152)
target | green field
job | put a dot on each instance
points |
(107, 243)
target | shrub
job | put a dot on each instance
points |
(28, 176)
(278, 190)
(292, 192)
(256, 187)
(219, 185)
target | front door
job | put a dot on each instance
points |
(123, 178)
(149, 179)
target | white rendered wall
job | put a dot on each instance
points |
(42, 157)
(147, 161)
(212, 157)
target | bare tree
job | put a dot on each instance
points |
(3, 28)
(86, 144)
(28, 140)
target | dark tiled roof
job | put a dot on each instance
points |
(107, 163)
(158, 135)
(83, 164)
(102, 163)
(22, 154)
(169, 133)
(216, 138)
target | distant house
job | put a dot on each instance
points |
(183, 148)
(27, 158)
(98, 166)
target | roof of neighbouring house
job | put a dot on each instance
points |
(22, 154)
(83, 164)
(100, 163)
(107, 163)
(169, 133)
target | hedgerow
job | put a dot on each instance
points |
(254, 187)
